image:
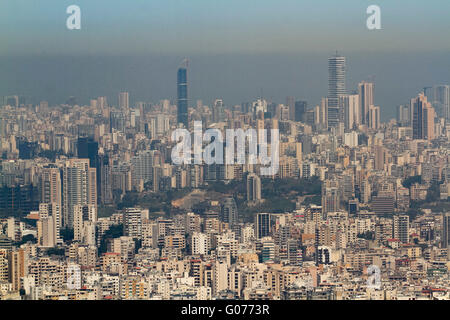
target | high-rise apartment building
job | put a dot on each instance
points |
(17, 267)
(366, 99)
(79, 187)
(374, 117)
(422, 116)
(349, 104)
(401, 228)
(124, 100)
(51, 185)
(132, 223)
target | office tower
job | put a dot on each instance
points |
(401, 227)
(51, 185)
(441, 100)
(104, 180)
(300, 108)
(374, 117)
(336, 87)
(218, 112)
(182, 91)
(132, 223)
(87, 148)
(124, 102)
(366, 99)
(79, 187)
(253, 188)
(423, 115)
(229, 211)
(445, 235)
(17, 267)
(290, 103)
(262, 225)
(403, 116)
(349, 104)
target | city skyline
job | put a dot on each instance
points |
(228, 151)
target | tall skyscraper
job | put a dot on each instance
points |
(290, 103)
(365, 91)
(349, 104)
(262, 225)
(441, 100)
(124, 100)
(182, 92)
(300, 108)
(445, 236)
(253, 188)
(404, 115)
(374, 117)
(422, 116)
(87, 148)
(336, 87)
(218, 112)
(229, 211)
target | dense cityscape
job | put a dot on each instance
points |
(92, 206)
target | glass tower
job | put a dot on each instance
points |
(182, 96)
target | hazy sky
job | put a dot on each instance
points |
(236, 48)
(218, 26)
